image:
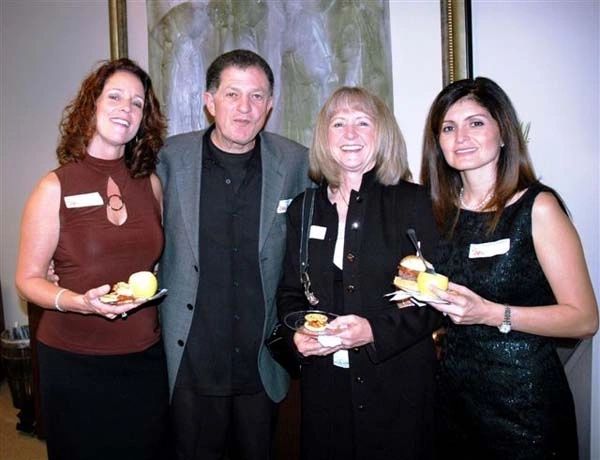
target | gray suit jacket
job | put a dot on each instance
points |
(284, 175)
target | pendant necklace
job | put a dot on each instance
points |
(339, 192)
(343, 198)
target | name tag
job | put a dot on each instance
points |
(283, 205)
(341, 359)
(493, 248)
(84, 200)
(317, 232)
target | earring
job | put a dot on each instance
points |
(502, 145)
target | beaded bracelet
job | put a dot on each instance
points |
(56, 298)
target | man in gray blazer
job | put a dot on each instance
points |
(226, 190)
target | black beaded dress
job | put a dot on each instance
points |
(501, 396)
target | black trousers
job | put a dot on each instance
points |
(239, 427)
(105, 407)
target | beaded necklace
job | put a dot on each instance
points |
(479, 206)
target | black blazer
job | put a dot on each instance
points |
(391, 379)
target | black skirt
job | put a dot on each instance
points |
(105, 407)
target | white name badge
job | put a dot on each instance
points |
(283, 205)
(84, 200)
(493, 248)
(341, 359)
(317, 232)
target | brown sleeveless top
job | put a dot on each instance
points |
(92, 251)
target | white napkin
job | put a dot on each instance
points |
(329, 340)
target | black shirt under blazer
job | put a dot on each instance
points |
(284, 167)
(391, 379)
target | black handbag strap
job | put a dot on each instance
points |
(308, 206)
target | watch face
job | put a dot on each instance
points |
(504, 328)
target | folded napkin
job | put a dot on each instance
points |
(329, 340)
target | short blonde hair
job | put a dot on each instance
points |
(391, 164)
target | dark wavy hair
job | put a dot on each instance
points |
(514, 172)
(78, 123)
(242, 59)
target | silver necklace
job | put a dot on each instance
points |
(479, 206)
(341, 194)
(344, 198)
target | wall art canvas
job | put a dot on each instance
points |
(313, 47)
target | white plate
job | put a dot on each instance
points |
(406, 294)
(158, 295)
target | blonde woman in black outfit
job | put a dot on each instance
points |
(371, 395)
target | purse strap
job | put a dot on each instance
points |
(308, 206)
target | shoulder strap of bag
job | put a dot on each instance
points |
(308, 206)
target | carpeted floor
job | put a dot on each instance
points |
(15, 445)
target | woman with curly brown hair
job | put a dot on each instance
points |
(98, 217)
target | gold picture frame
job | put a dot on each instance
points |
(117, 19)
(456, 36)
(457, 55)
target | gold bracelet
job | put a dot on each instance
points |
(56, 298)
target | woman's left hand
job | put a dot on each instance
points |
(465, 306)
(353, 331)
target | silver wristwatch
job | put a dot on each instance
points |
(505, 327)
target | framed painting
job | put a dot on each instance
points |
(456, 36)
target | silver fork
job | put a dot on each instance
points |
(417, 244)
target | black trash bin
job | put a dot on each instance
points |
(15, 352)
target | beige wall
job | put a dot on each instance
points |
(47, 47)
(546, 54)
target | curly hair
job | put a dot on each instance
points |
(78, 123)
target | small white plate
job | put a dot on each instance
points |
(158, 295)
(405, 294)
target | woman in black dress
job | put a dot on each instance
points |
(370, 396)
(502, 389)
